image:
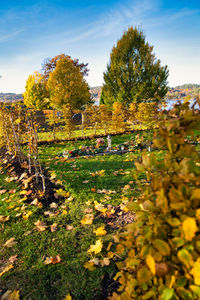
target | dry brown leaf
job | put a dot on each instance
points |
(52, 260)
(40, 225)
(69, 227)
(13, 258)
(53, 227)
(2, 192)
(105, 262)
(50, 213)
(53, 205)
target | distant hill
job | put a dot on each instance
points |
(188, 86)
(182, 91)
(96, 93)
(10, 97)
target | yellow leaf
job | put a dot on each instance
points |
(173, 279)
(196, 272)
(89, 265)
(9, 243)
(96, 248)
(198, 213)
(88, 219)
(151, 264)
(4, 218)
(14, 295)
(100, 231)
(68, 297)
(189, 228)
(6, 269)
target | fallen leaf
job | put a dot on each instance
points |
(69, 227)
(88, 210)
(14, 296)
(29, 192)
(86, 181)
(96, 248)
(100, 231)
(40, 225)
(13, 191)
(13, 258)
(2, 192)
(89, 265)
(52, 260)
(88, 219)
(4, 218)
(47, 261)
(53, 227)
(53, 205)
(11, 242)
(50, 213)
(35, 202)
(105, 262)
(68, 297)
(55, 260)
(6, 269)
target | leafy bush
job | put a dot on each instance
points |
(163, 244)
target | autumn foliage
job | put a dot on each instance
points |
(162, 245)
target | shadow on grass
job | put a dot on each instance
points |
(56, 281)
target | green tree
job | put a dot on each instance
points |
(36, 94)
(133, 73)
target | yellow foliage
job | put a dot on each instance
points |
(96, 248)
(196, 272)
(100, 231)
(189, 228)
(151, 264)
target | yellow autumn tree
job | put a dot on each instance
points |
(118, 117)
(68, 89)
(105, 117)
(36, 94)
(147, 113)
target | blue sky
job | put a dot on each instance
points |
(31, 31)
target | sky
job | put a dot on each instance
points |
(31, 31)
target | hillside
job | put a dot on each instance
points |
(10, 97)
(183, 91)
(96, 93)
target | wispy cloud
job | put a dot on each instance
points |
(134, 13)
(7, 37)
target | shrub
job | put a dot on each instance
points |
(163, 244)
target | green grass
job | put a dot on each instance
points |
(30, 275)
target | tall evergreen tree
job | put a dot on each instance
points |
(133, 73)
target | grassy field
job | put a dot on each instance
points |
(93, 188)
(86, 183)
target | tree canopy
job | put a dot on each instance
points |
(133, 73)
(49, 65)
(36, 94)
(67, 85)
